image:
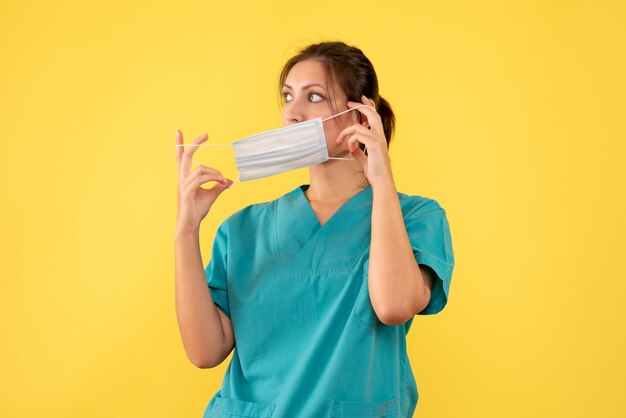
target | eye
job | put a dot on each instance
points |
(287, 97)
(315, 97)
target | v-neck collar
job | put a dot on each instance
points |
(361, 196)
(302, 245)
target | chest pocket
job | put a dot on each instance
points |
(342, 409)
(363, 309)
(226, 407)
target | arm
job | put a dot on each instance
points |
(207, 333)
(398, 287)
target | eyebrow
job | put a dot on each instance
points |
(308, 86)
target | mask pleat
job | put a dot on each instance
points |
(280, 150)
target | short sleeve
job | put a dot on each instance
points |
(429, 234)
(216, 270)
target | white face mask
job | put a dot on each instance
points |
(273, 152)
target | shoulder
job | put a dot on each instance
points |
(415, 206)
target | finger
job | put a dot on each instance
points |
(203, 169)
(208, 178)
(365, 138)
(351, 130)
(198, 181)
(356, 140)
(360, 156)
(200, 172)
(373, 118)
(367, 101)
(370, 141)
(352, 146)
(220, 187)
(188, 154)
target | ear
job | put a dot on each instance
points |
(358, 117)
(361, 119)
(369, 102)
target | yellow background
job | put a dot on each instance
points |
(510, 114)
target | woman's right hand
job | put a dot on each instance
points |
(194, 202)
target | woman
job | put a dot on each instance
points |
(319, 287)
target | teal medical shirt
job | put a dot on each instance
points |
(308, 342)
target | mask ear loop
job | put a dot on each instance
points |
(341, 113)
(348, 110)
(237, 180)
(233, 183)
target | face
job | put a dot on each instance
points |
(307, 95)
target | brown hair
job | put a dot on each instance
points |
(352, 71)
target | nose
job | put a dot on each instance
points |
(292, 113)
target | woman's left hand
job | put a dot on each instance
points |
(376, 163)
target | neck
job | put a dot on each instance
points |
(335, 181)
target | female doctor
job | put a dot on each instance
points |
(315, 291)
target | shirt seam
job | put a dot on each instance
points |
(439, 209)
